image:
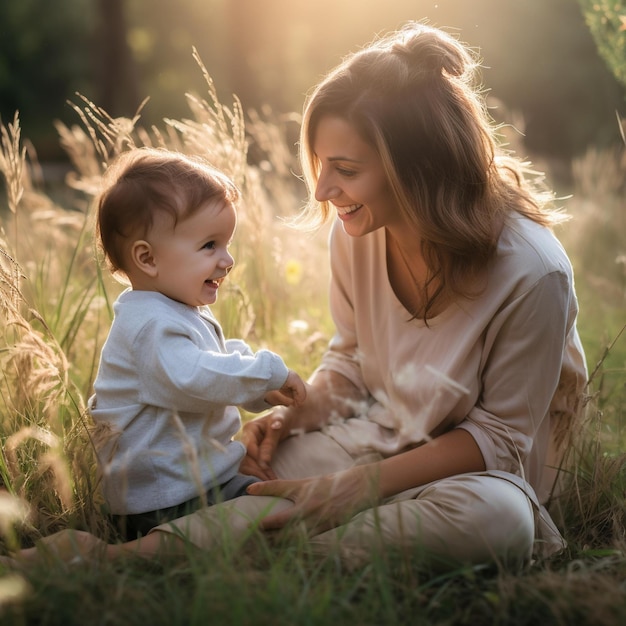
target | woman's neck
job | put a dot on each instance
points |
(409, 275)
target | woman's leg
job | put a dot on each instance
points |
(297, 457)
(470, 518)
(301, 456)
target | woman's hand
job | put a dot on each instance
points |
(321, 502)
(261, 437)
(328, 394)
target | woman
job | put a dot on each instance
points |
(456, 358)
(447, 395)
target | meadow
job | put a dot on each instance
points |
(56, 307)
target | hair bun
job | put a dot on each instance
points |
(432, 52)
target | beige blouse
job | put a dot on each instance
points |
(507, 366)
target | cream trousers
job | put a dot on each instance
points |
(486, 517)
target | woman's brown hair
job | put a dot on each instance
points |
(413, 96)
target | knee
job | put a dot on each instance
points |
(489, 520)
(466, 519)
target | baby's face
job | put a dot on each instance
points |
(192, 259)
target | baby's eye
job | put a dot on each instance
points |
(209, 245)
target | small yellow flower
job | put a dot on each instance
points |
(293, 272)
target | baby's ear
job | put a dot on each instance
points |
(141, 256)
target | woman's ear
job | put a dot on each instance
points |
(142, 258)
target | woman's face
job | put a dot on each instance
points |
(352, 179)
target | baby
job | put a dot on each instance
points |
(169, 382)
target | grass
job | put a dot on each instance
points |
(56, 311)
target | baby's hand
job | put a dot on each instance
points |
(292, 393)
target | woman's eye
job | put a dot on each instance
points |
(346, 173)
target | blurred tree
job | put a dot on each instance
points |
(544, 64)
(607, 23)
(542, 60)
(162, 35)
(117, 89)
(45, 56)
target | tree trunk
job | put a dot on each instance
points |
(116, 90)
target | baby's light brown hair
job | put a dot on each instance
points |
(144, 181)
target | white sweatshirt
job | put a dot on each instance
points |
(166, 388)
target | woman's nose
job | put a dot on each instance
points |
(326, 190)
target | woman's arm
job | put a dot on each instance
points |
(328, 501)
(454, 452)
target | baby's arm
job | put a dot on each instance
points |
(292, 393)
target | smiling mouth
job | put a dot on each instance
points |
(346, 210)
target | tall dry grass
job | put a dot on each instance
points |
(56, 300)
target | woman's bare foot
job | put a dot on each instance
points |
(77, 546)
(67, 546)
